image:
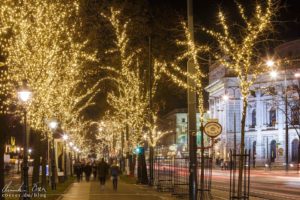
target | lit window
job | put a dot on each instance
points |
(272, 117)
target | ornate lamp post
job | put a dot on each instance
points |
(53, 125)
(24, 95)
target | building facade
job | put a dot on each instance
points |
(265, 133)
(176, 122)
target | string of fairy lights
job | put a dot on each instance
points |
(40, 41)
(40, 46)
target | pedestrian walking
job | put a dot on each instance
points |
(114, 171)
(94, 170)
(102, 172)
(77, 170)
(88, 171)
(82, 164)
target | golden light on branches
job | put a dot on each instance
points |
(192, 53)
(127, 100)
(43, 48)
(240, 52)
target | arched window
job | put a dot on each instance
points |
(295, 115)
(253, 117)
(272, 117)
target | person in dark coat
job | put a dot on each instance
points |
(114, 172)
(77, 170)
(94, 170)
(102, 172)
(82, 165)
(88, 171)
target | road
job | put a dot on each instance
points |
(275, 184)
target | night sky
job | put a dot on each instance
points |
(205, 13)
(166, 13)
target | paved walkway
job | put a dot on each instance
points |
(92, 191)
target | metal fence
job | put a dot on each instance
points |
(205, 193)
(163, 174)
(172, 174)
(181, 177)
(239, 189)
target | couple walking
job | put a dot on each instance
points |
(104, 170)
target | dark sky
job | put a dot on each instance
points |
(205, 13)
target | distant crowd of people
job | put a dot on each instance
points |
(224, 165)
(101, 169)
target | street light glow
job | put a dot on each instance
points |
(100, 129)
(273, 74)
(297, 75)
(70, 144)
(65, 137)
(29, 150)
(270, 63)
(53, 124)
(225, 97)
(24, 95)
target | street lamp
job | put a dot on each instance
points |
(286, 114)
(273, 74)
(53, 125)
(24, 95)
(65, 138)
(270, 63)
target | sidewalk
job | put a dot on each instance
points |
(92, 191)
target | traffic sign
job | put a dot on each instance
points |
(212, 129)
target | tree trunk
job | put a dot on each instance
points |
(151, 169)
(44, 163)
(142, 169)
(242, 146)
(132, 162)
(36, 157)
(298, 163)
(3, 134)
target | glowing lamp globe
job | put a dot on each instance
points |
(65, 137)
(225, 97)
(24, 95)
(273, 74)
(53, 124)
(270, 63)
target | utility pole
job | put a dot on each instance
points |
(192, 112)
(286, 125)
